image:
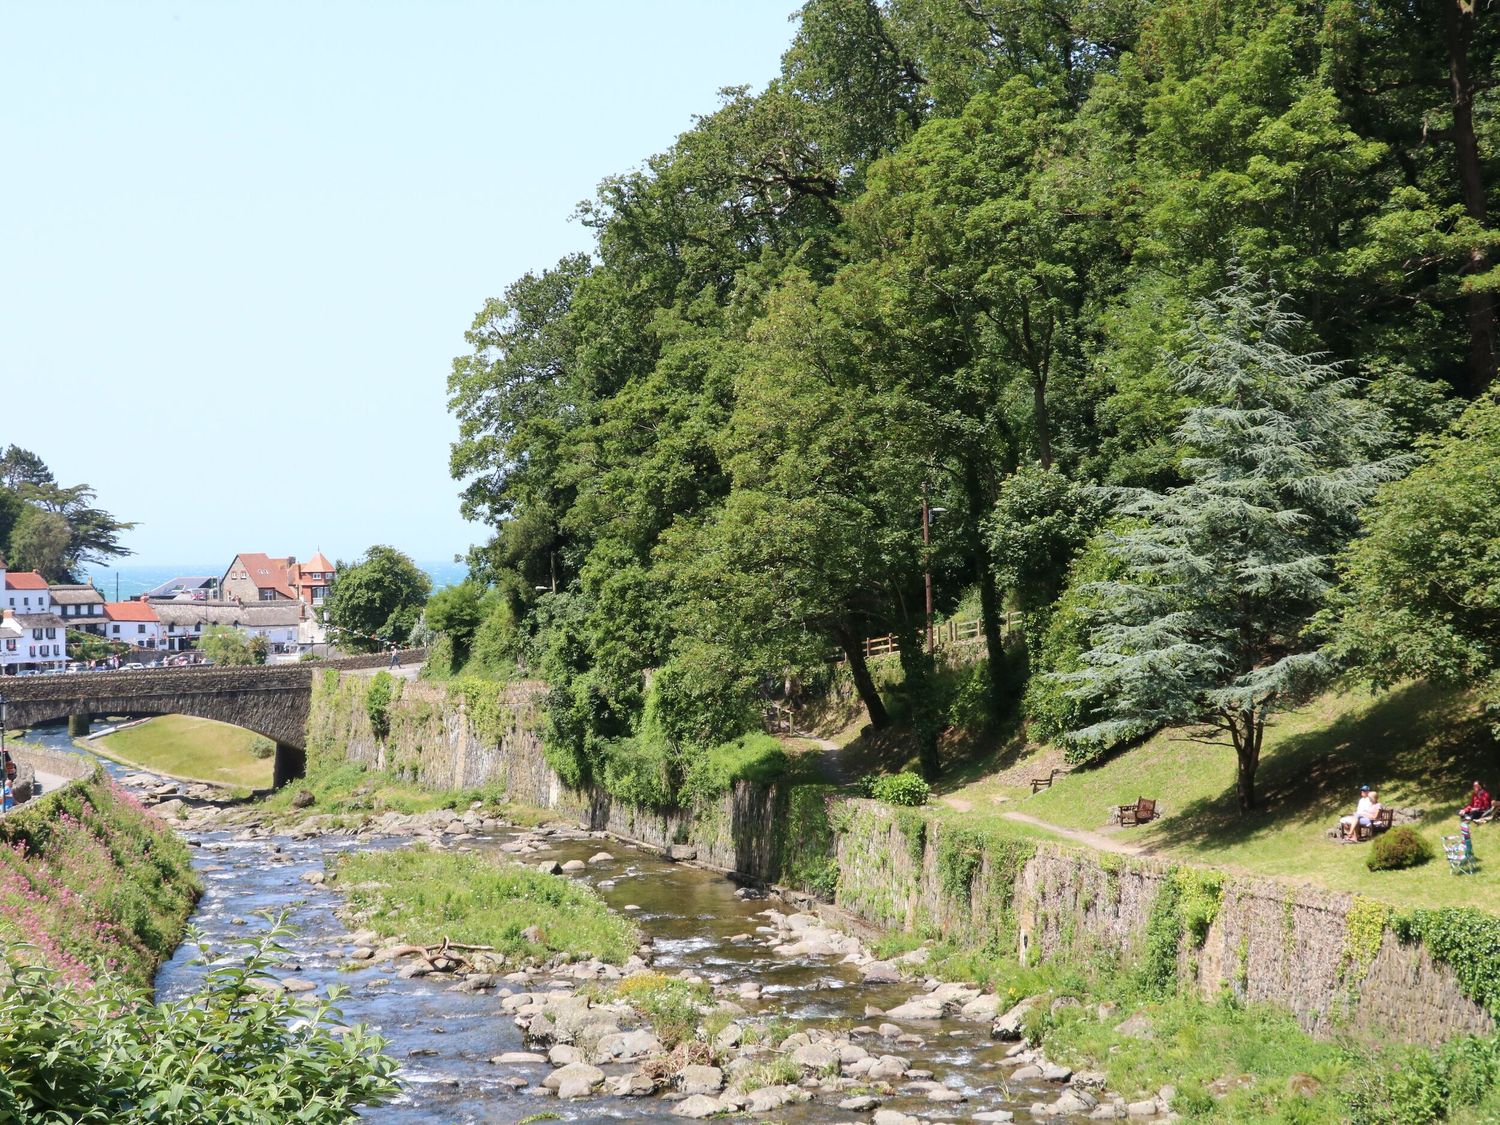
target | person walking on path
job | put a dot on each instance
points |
(395, 656)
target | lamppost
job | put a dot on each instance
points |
(5, 765)
(927, 514)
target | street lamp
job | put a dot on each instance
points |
(927, 513)
(5, 766)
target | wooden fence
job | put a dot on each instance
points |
(945, 635)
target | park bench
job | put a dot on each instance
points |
(1460, 853)
(1381, 822)
(1143, 810)
(1039, 783)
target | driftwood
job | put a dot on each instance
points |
(445, 957)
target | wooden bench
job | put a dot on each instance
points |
(1143, 810)
(1381, 822)
(1039, 783)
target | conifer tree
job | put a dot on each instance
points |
(1207, 620)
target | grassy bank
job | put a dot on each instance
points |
(190, 749)
(351, 793)
(422, 896)
(91, 883)
(1419, 745)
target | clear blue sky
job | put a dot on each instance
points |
(240, 242)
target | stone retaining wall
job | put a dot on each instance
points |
(1270, 941)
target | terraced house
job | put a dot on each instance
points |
(33, 638)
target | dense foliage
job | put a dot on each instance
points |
(952, 259)
(1421, 591)
(377, 600)
(236, 1051)
(53, 529)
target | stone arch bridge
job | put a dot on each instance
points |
(271, 700)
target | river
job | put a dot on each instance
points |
(445, 1039)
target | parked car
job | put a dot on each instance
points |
(133, 666)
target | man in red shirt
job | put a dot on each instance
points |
(1479, 802)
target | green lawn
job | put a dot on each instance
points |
(191, 749)
(1420, 745)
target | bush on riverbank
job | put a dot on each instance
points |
(90, 882)
(423, 896)
(235, 1051)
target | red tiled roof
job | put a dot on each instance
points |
(25, 580)
(267, 573)
(318, 564)
(130, 611)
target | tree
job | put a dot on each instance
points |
(50, 528)
(456, 612)
(39, 542)
(224, 644)
(1207, 621)
(376, 601)
(1420, 592)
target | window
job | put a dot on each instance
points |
(27, 599)
(36, 634)
(51, 634)
(140, 628)
(116, 628)
(10, 646)
(268, 595)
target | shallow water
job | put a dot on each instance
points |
(444, 1039)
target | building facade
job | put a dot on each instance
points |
(80, 607)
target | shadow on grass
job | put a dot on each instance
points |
(1419, 745)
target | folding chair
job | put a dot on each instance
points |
(1460, 853)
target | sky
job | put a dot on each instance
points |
(240, 242)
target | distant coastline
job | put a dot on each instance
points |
(137, 578)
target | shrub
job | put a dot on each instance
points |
(757, 758)
(262, 747)
(109, 1054)
(904, 788)
(1400, 847)
(378, 701)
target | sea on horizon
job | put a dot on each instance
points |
(136, 578)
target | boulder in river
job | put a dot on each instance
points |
(700, 1080)
(576, 1080)
(698, 1106)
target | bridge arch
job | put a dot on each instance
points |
(272, 701)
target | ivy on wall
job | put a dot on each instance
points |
(1364, 927)
(807, 846)
(1465, 939)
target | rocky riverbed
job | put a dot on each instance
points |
(798, 1022)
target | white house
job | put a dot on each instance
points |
(80, 607)
(26, 591)
(134, 623)
(32, 637)
(183, 622)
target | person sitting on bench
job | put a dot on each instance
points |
(1479, 802)
(1364, 813)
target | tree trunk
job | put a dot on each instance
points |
(926, 723)
(1043, 417)
(1245, 730)
(989, 598)
(869, 695)
(1458, 33)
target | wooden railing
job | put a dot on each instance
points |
(945, 635)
